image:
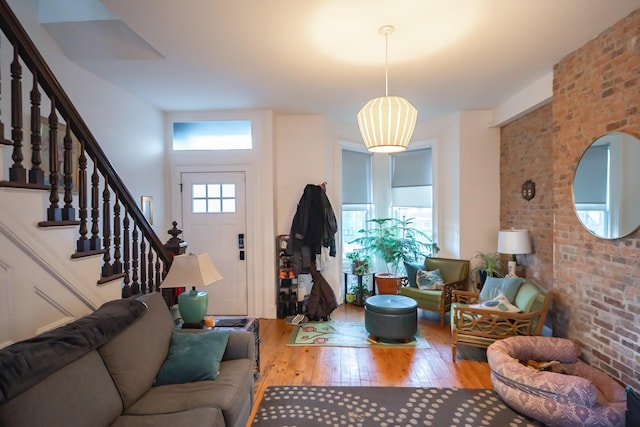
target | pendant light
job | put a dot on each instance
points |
(387, 123)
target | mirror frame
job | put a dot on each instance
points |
(634, 161)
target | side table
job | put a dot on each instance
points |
(359, 277)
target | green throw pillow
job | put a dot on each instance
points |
(495, 286)
(193, 357)
(412, 271)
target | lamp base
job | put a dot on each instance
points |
(193, 306)
(193, 325)
(511, 269)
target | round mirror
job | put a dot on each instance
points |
(606, 196)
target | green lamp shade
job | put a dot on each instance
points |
(193, 306)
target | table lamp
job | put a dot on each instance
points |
(513, 242)
(192, 270)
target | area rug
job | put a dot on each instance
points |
(345, 334)
(384, 406)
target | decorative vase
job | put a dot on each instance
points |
(350, 297)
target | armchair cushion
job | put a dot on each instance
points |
(500, 304)
(429, 280)
(495, 286)
(526, 297)
(412, 272)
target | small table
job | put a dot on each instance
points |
(371, 285)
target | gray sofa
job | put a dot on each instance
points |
(100, 371)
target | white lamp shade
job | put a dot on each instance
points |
(191, 270)
(387, 123)
(514, 242)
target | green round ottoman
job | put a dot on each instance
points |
(391, 317)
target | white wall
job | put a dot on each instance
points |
(305, 154)
(480, 183)
(129, 131)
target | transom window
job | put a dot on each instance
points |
(212, 135)
(213, 198)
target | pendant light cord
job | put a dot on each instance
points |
(386, 63)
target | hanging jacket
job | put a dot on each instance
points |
(314, 226)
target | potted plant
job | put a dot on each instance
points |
(394, 241)
(490, 265)
(359, 262)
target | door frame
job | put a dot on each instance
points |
(251, 239)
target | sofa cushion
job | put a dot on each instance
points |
(232, 392)
(27, 362)
(134, 357)
(495, 286)
(210, 417)
(80, 394)
(412, 270)
(193, 357)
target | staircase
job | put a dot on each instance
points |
(71, 234)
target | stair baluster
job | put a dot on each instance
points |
(126, 289)
(117, 264)
(107, 271)
(36, 174)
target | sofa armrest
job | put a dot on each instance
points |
(241, 345)
(465, 297)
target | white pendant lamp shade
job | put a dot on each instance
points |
(387, 123)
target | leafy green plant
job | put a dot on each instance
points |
(359, 262)
(490, 264)
(395, 241)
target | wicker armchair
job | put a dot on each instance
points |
(480, 327)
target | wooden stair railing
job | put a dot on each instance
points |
(133, 252)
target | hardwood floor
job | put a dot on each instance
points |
(422, 367)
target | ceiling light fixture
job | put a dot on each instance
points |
(387, 123)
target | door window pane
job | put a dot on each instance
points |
(214, 198)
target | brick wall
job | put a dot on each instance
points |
(525, 154)
(595, 282)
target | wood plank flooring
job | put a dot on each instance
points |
(422, 367)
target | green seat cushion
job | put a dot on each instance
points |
(193, 357)
(424, 298)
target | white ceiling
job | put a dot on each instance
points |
(325, 56)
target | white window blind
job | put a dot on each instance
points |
(356, 178)
(411, 168)
(411, 180)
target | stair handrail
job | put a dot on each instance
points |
(30, 55)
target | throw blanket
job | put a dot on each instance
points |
(26, 363)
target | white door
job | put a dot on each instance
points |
(213, 220)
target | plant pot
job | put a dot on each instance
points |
(388, 284)
(350, 297)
